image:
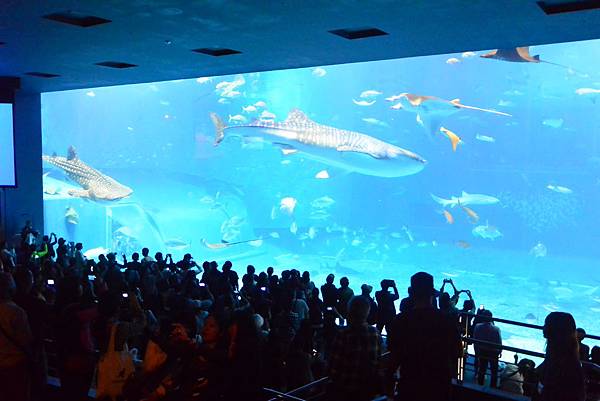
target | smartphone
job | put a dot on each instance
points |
(92, 269)
(263, 288)
(329, 308)
(202, 285)
(481, 307)
(91, 277)
(239, 297)
(123, 270)
(50, 282)
(125, 295)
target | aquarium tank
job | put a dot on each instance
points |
(483, 167)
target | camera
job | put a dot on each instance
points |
(263, 288)
(125, 295)
(388, 283)
(50, 282)
(329, 308)
(91, 277)
(202, 285)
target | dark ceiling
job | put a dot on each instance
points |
(159, 35)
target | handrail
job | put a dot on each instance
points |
(504, 347)
(308, 385)
(517, 323)
(279, 394)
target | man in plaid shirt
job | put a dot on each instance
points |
(355, 353)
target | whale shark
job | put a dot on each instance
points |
(348, 150)
(431, 110)
(96, 186)
(466, 199)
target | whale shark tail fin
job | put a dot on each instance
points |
(219, 128)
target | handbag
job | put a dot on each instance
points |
(154, 357)
(114, 368)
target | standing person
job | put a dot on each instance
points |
(366, 292)
(561, 373)
(329, 292)
(354, 356)
(486, 354)
(344, 295)
(8, 256)
(425, 344)
(385, 302)
(584, 350)
(15, 342)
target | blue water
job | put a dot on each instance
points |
(158, 140)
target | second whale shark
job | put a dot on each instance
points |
(348, 150)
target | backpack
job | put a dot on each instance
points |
(114, 368)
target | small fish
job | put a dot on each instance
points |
(472, 215)
(393, 98)
(454, 139)
(273, 213)
(463, 244)
(164, 103)
(513, 92)
(449, 274)
(374, 121)
(249, 109)
(505, 103)
(485, 138)
(71, 216)
(587, 91)
(260, 103)
(222, 85)
(468, 54)
(363, 102)
(231, 94)
(452, 60)
(203, 80)
(274, 234)
(395, 235)
(553, 122)
(559, 189)
(223, 100)
(397, 106)
(486, 232)
(91, 94)
(176, 244)
(356, 242)
(294, 228)
(370, 93)
(322, 175)
(238, 118)
(167, 116)
(539, 250)
(267, 115)
(256, 243)
(408, 233)
(322, 203)
(448, 216)
(312, 232)
(287, 205)
(319, 72)
(129, 128)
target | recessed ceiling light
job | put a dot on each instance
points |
(216, 51)
(116, 64)
(75, 18)
(559, 7)
(358, 33)
(42, 74)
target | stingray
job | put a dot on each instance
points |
(431, 110)
(519, 55)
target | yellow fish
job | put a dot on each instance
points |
(454, 139)
(448, 216)
(472, 215)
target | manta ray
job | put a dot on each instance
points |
(431, 110)
(518, 55)
(349, 150)
(96, 186)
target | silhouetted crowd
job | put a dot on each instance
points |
(152, 328)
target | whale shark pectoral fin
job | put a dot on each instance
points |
(80, 193)
(285, 148)
(346, 148)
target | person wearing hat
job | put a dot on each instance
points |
(366, 290)
(425, 345)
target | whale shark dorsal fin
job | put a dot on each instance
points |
(454, 101)
(71, 153)
(297, 116)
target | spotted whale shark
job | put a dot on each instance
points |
(96, 186)
(349, 150)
